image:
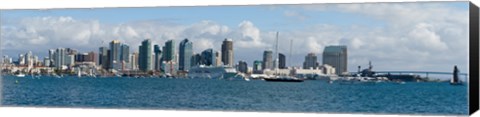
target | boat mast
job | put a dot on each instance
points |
(290, 54)
(275, 56)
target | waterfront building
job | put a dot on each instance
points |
(196, 60)
(282, 64)
(59, 58)
(310, 61)
(28, 59)
(51, 56)
(124, 53)
(227, 52)
(103, 57)
(185, 55)
(134, 61)
(145, 55)
(91, 57)
(80, 57)
(218, 59)
(69, 60)
(169, 67)
(6, 60)
(70, 51)
(169, 51)
(46, 61)
(21, 59)
(327, 69)
(336, 56)
(115, 54)
(157, 59)
(257, 67)
(242, 66)
(267, 60)
(207, 58)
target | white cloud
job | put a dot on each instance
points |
(414, 36)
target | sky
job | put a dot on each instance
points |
(422, 36)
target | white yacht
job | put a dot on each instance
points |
(20, 75)
(212, 72)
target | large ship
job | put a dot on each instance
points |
(213, 72)
(283, 79)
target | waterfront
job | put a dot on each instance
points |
(315, 96)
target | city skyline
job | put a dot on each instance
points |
(370, 34)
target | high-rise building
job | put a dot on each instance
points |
(124, 53)
(185, 55)
(80, 57)
(257, 67)
(267, 60)
(134, 61)
(218, 58)
(59, 58)
(145, 55)
(91, 57)
(46, 61)
(115, 54)
(169, 51)
(6, 60)
(196, 60)
(310, 61)
(103, 57)
(69, 60)
(157, 59)
(29, 59)
(336, 56)
(21, 59)
(208, 57)
(242, 66)
(51, 56)
(282, 61)
(227, 52)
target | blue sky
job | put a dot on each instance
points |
(369, 30)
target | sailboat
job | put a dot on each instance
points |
(455, 80)
(281, 78)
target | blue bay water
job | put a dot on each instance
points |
(311, 96)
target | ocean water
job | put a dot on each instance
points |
(311, 96)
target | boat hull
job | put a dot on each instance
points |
(282, 80)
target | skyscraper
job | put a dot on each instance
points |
(218, 58)
(208, 57)
(281, 61)
(169, 51)
(51, 56)
(227, 52)
(257, 67)
(46, 61)
(124, 53)
(115, 54)
(158, 56)
(185, 55)
(91, 57)
(336, 56)
(134, 60)
(59, 58)
(196, 59)
(310, 61)
(103, 57)
(267, 60)
(145, 55)
(242, 66)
